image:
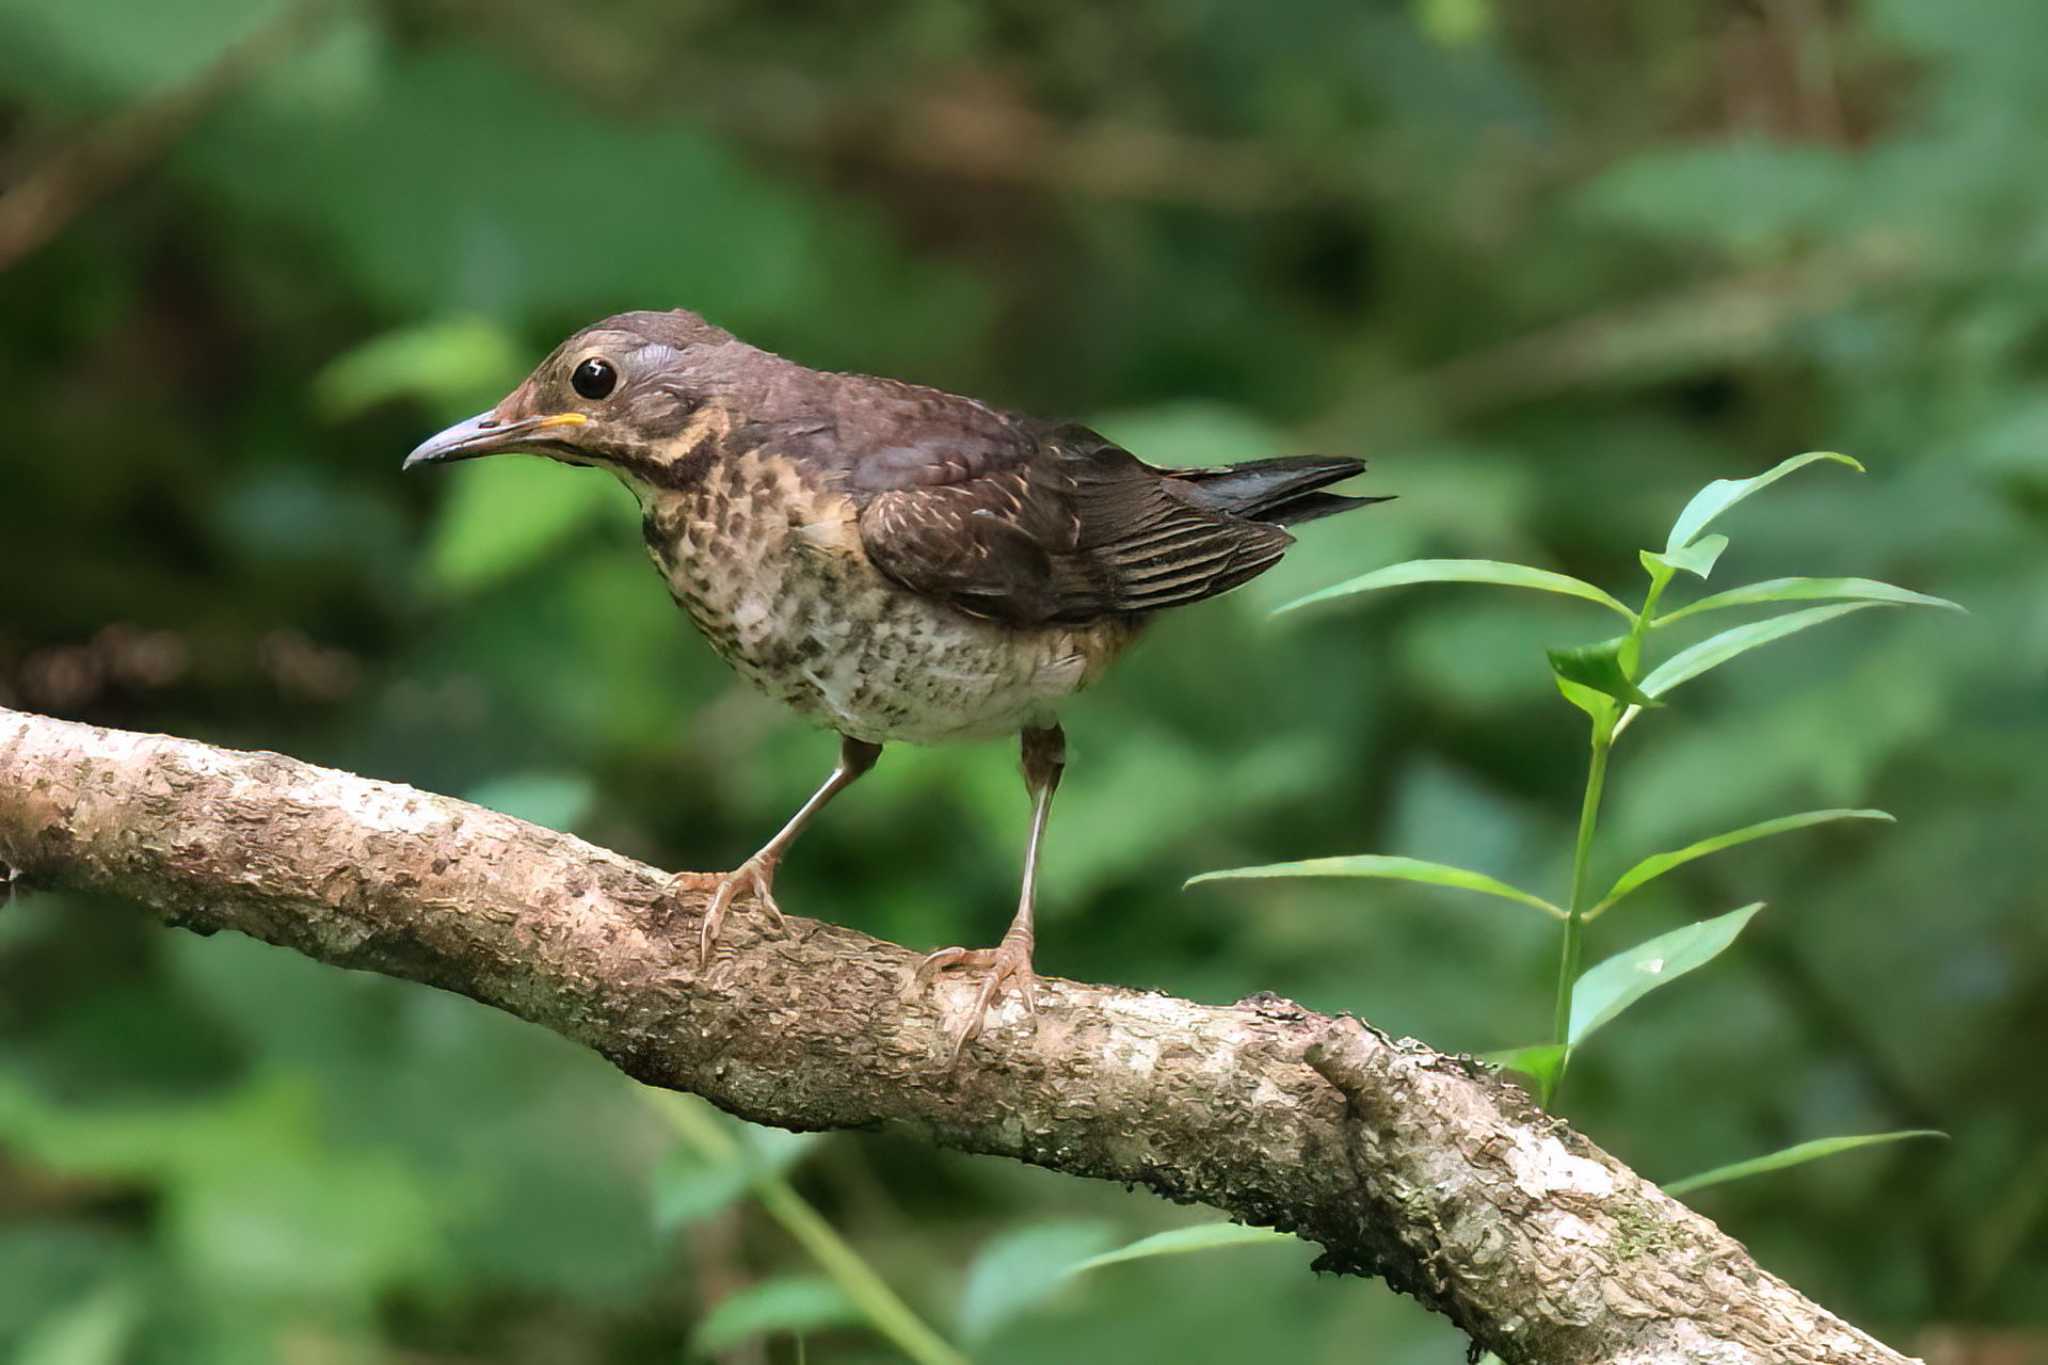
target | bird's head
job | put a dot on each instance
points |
(634, 394)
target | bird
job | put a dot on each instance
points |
(895, 562)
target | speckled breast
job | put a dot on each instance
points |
(769, 566)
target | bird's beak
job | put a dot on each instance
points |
(487, 434)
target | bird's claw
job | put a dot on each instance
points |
(755, 875)
(1009, 961)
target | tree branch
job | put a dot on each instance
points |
(1401, 1162)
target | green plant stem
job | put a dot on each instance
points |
(1575, 920)
(1633, 661)
(1644, 624)
(1582, 852)
(885, 1312)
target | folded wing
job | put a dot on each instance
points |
(1042, 526)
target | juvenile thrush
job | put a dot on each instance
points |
(895, 562)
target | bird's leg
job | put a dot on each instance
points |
(1045, 755)
(757, 874)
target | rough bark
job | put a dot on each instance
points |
(1401, 1162)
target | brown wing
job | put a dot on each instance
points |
(1048, 526)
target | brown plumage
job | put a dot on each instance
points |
(897, 562)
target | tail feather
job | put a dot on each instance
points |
(1281, 492)
(1311, 506)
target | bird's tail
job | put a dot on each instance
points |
(1280, 492)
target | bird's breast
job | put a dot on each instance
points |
(767, 561)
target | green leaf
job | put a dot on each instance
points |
(1743, 194)
(772, 1151)
(1608, 989)
(1540, 1062)
(503, 514)
(1600, 668)
(556, 800)
(693, 1182)
(455, 364)
(688, 1188)
(1598, 705)
(1454, 23)
(1020, 1269)
(1688, 664)
(1202, 1237)
(1722, 494)
(790, 1303)
(1464, 571)
(1658, 864)
(1808, 589)
(1794, 1156)
(1697, 558)
(98, 1329)
(1386, 868)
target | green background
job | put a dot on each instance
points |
(1550, 265)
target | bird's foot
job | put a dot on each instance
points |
(1009, 961)
(755, 876)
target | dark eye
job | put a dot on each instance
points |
(594, 378)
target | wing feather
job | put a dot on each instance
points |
(1040, 526)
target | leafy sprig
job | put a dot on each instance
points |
(1611, 682)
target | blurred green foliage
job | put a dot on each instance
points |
(1552, 266)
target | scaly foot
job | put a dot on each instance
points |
(755, 875)
(1008, 961)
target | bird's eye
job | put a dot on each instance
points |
(594, 378)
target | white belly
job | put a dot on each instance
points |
(773, 577)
